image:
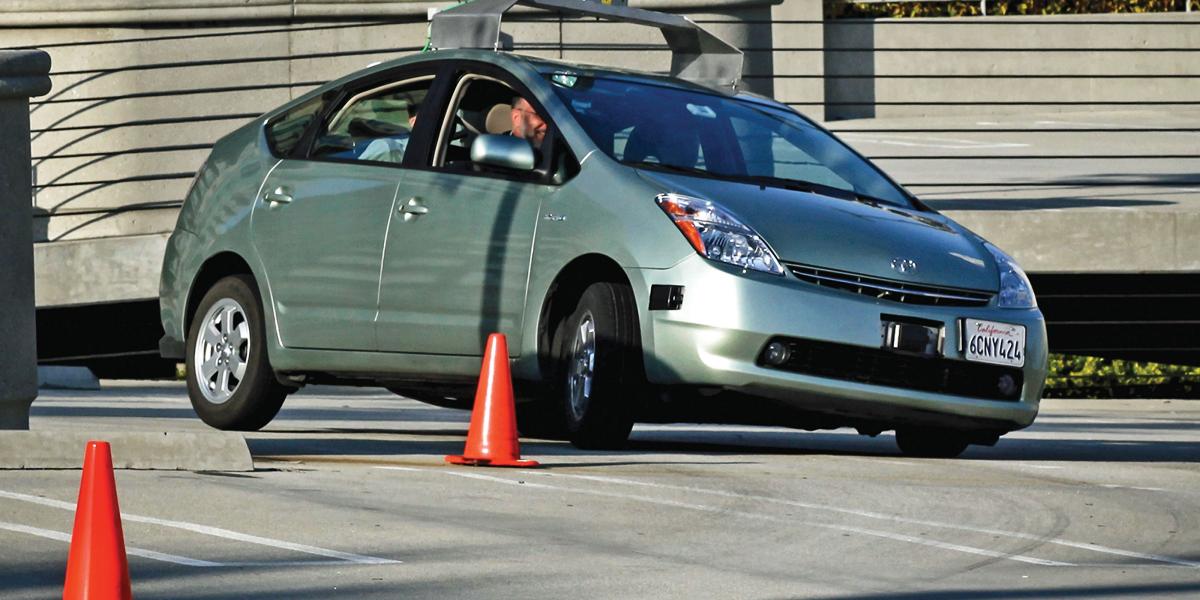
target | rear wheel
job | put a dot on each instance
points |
(931, 443)
(229, 379)
(600, 374)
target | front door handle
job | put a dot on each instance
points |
(413, 209)
(279, 196)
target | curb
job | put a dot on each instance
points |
(165, 451)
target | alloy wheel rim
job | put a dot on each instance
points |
(582, 367)
(222, 350)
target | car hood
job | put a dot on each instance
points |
(846, 235)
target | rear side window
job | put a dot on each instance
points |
(285, 132)
(375, 125)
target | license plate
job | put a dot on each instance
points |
(994, 343)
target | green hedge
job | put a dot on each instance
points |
(1092, 377)
(1003, 7)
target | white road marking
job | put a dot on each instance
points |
(759, 516)
(215, 532)
(883, 461)
(884, 517)
(915, 141)
(152, 555)
(1113, 486)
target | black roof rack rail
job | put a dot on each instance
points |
(696, 54)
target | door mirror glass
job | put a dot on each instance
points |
(504, 151)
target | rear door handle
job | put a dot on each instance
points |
(279, 196)
(413, 209)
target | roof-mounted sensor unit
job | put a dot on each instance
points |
(696, 54)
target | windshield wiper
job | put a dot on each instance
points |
(798, 185)
(642, 164)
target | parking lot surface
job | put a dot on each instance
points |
(351, 498)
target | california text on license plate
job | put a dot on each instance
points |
(995, 343)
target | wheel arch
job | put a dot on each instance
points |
(216, 267)
(564, 293)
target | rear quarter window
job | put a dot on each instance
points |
(284, 133)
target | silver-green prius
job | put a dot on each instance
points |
(654, 250)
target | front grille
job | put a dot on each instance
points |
(876, 366)
(887, 289)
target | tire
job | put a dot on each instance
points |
(931, 443)
(542, 418)
(233, 342)
(600, 379)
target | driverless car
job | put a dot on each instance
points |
(655, 247)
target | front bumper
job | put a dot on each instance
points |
(726, 318)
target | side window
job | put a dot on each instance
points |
(486, 106)
(374, 125)
(285, 132)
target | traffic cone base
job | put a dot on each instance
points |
(487, 462)
(492, 438)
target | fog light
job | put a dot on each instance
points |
(1007, 385)
(776, 354)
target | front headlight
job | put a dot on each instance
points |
(718, 235)
(1015, 289)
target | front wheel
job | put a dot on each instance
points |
(229, 379)
(931, 443)
(601, 371)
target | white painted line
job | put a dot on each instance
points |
(1113, 486)
(914, 141)
(215, 532)
(152, 555)
(880, 460)
(885, 517)
(759, 516)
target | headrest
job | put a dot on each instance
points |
(664, 142)
(499, 119)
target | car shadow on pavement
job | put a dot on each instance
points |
(1149, 451)
(1093, 591)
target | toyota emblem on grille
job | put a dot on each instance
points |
(904, 265)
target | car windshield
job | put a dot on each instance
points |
(671, 129)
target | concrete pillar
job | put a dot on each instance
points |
(23, 74)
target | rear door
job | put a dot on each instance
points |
(320, 221)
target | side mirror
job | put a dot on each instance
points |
(504, 151)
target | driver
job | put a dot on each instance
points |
(527, 123)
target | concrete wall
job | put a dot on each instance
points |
(142, 88)
(939, 67)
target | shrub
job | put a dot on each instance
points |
(1094, 377)
(968, 8)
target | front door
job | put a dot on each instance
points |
(457, 262)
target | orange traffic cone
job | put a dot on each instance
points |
(492, 438)
(96, 567)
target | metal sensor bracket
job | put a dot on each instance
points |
(696, 54)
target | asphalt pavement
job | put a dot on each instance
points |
(351, 498)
